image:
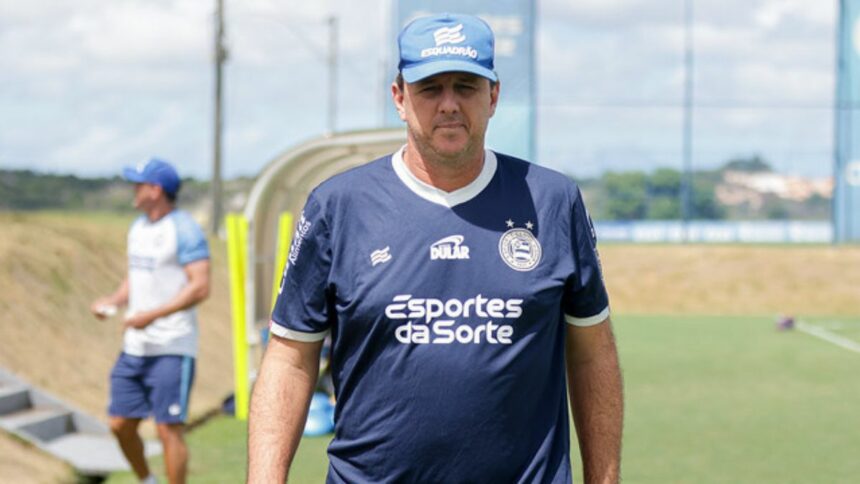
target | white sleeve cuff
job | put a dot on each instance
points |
(589, 321)
(278, 330)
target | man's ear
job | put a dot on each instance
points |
(159, 190)
(397, 97)
(494, 97)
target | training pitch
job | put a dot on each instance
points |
(708, 400)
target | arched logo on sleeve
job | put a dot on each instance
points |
(302, 229)
(520, 250)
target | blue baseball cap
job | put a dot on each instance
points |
(446, 43)
(156, 172)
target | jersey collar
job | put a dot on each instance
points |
(441, 197)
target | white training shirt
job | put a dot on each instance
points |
(157, 252)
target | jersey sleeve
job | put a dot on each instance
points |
(191, 243)
(301, 310)
(585, 299)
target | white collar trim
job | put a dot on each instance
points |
(441, 197)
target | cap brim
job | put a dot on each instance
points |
(132, 175)
(428, 69)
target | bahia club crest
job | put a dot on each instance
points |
(519, 248)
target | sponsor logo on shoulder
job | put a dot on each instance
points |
(302, 229)
(450, 247)
(380, 256)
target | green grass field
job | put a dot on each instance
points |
(709, 400)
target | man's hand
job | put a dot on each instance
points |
(103, 307)
(195, 291)
(107, 306)
(140, 320)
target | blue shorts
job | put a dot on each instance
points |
(141, 386)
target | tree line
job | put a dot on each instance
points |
(656, 195)
(614, 195)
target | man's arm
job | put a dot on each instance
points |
(279, 407)
(191, 294)
(596, 400)
(103, 306)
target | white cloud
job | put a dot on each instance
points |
(95, 33)
(283, 9)
(600, 12)
(773, 13)
(795, 85)
(105, 139)
(105, 82)
(141, 32)
(100, 146)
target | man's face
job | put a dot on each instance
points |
(447, 113)
(145, 194)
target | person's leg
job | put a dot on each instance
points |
(170, 379)
(125, 430)
(175, 451)
(128, 406)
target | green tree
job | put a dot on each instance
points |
(626, 195)
(664, 188)
(776, 209)
(705, 204)
(664, 208)
(665, 182)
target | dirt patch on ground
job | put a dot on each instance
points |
(733, 279)
(22, 464)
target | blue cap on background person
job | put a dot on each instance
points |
(155, 172)
(446, 43)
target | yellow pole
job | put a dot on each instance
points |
(285, 231)
(237, 237)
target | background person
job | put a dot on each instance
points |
(168, 274)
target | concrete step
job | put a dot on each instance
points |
(14, 398)
(28, 416)
(94, 454)
(49, 427)
(60, 429)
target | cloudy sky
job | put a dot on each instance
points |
(91, 85)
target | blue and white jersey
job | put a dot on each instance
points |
(447, 313)
(157, 252)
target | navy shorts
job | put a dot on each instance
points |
(141, 386)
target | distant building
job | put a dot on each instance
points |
(740, 187)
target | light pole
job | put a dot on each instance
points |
(687, 212)
(220, 58)
(332, 74)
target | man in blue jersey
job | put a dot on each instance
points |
(168, 274)
(462, 290)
